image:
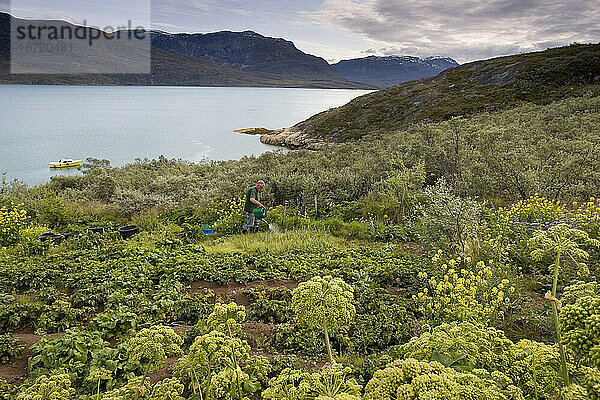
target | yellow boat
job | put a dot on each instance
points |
(65, 163)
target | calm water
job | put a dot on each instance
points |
(39, 124)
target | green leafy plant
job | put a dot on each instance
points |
(332, 382)
(73, 351)
(6, 389)
(324, 302)
(213, 365)
(167, 389)
(226, 318)
(533, 367)
(114, 323)
(270, 305)
(230, 215)
(412, 379)
(97, 376)
(465, 291)
(381, 320)
(9, 348)
(218, 363)
(578, 319)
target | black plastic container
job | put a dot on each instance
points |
(128, 231)
(70, 234)
(57, 239)
(45, 236)
(96, 230)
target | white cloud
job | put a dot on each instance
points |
(465, 29)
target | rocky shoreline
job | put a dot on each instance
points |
(290, 138)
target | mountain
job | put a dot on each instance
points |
(4, 36)
(498, 83)
(248, 51)
(181, 68)
(392, 70)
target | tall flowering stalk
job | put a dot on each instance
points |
(560, 241)
(325, 303)
(150, 347)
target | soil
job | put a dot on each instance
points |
(411, 247)
(396, 291)
(15, 371)
(235, 291)
(256, 330)
(181, 329)
(164, 372)
(537, 302)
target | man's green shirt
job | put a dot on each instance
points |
(253, 193)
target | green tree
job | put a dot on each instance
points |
(444, 215)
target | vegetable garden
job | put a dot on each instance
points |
(395, 285)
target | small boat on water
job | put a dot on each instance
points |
(65, 163)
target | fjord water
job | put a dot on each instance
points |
(39, 124)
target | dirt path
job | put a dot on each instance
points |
(235, 291)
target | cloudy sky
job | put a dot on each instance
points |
(466, 30)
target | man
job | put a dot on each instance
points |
(252, 202)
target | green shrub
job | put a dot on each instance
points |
(9, 348)
(53, 211)
(13, 221)
(446, 218)
(270, 305)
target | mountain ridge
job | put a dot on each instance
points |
(385, 71)
(248, 51)
(179, 69)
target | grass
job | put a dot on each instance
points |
(301, 239)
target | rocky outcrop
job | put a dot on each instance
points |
(290, 138)
(255, 131)
(293, 139)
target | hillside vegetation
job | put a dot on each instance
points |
(487, 85)
(552, 150)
